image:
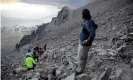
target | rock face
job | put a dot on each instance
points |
(106, 61)
(127, 75)
(10, 36)
(105, 75)
(123, 75)
(62, 16)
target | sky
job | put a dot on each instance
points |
(60, 3)
(21, 12)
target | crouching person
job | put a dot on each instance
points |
(30, 63)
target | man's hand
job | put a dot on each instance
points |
(85, 42)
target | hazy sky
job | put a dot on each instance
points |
(21, 12)
(34, 11)
(60, 3)
(26, 11)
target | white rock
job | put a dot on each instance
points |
(112, 52)
(34, 79)
(20, 69)
(123, 37)
(38, 75)
(71, 77)
(130, 34)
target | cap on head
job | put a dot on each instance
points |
(86, 14)
(29, 50)
(28, 56)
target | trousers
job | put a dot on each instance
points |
(82, 57)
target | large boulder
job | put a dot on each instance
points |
(105, 75)
(62, 70)
(62, 16)
(116, 75)
(19, 70)
(127, 75)
(122, 75)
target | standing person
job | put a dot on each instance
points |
(30, 62)
(87, 35)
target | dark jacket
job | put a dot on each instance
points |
(87, 32)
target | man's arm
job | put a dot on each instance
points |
(89, 26)
(34, 62)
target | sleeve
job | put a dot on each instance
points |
(89, 27)
(34, 62)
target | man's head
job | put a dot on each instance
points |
(35, 49)
(86, 14)
(29, 50)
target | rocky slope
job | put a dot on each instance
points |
(111, 55)
(10, 36)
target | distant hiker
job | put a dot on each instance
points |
(30, 62)
(87, 35)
